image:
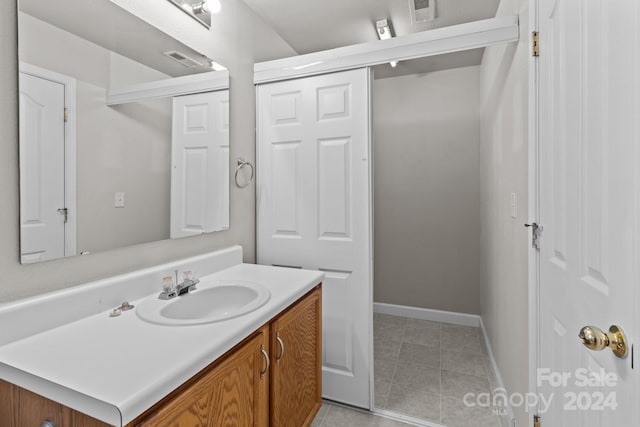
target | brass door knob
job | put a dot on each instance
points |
(595, 339)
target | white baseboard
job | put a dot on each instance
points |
(456, 319)
(510, 417)
(427, 314)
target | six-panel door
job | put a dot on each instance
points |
(589, 208)
(315, 209)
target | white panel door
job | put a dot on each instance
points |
(200, 164)
(42, 172)
(589, 194)
(314, 210)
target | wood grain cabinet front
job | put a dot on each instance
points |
(22, 408)
(232, 393)
(296, 377)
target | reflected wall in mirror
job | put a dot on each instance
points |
(124, 135)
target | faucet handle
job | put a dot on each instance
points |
(189, 278)
(168, 283)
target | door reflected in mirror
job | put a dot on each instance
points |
(124, 132)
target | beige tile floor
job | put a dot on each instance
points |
(424, 369)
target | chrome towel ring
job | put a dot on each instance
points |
(241, 164)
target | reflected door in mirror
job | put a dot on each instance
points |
(42, 168)
(200, 159)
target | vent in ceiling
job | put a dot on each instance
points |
(422, 10)
(183, 59)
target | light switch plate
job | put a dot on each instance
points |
(118, 200)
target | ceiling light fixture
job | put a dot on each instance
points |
(211, 6)
(385, 32)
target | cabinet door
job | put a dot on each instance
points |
(296, 378)
(233, 393)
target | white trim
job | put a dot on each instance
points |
(70, 166)
(496, 373)
(427, 314)
(533, 213)
(371, 231)
(185, 85)
(636, 131)
(439, 41)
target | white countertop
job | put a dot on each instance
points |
(114, 368)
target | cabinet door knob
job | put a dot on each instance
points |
(281, 344)
(266, 359)
(48, 423)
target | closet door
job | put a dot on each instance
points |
(200, 164)
(314, 210)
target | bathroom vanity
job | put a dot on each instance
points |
(261, 368)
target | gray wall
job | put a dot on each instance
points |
(123, 148)
(503, 170)
(426, 191)
(238, 39)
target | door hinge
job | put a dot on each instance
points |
(535, 43)
(536, 231)
(536, 421)
(66, 114)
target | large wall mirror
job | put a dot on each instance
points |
(124, 135)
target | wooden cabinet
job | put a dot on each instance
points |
(296, 377)
(272, 378)
(21, 408)
(234, 392)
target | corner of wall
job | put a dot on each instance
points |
(504, 171)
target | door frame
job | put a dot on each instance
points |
(533, 213)
(70, 156)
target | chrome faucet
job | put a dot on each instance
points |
(170, 291)
(188, 283)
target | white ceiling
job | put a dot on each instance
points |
(310, 26)
(107, 25)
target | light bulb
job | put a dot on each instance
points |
(393, 63)
(212, 6)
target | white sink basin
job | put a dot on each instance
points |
(213, 301)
